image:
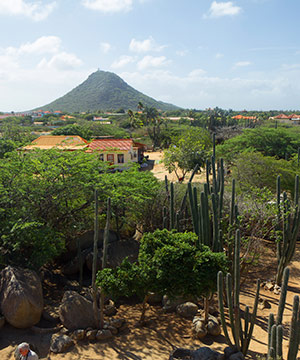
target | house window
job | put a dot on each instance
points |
(101, 157)
(120, 158)
(110, 158)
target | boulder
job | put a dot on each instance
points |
(21, 297)
(117, 323)
(237, 356)
(78, 334)
(213, 326)
(117, 251)
(187, 310)
(203, 353)
(76, 312)
(86, 240)
(91, 334)
(170, 304)
(60, 343)
(104, 334)
(199, 329)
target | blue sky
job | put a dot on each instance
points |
(240, 54)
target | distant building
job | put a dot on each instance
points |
(118, 151)
(288, 119)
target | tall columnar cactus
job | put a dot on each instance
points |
(94, 269)
(275, 334)
(104, 257)
(275, 328)
(288, 222)
(172, 211)
(241, 335)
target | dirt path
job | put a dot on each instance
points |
(160, 171)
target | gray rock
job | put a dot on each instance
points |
(205, 353)
(104, 334)
(228, 351)
(76, 312)
(187, 310)
(170, 304)
(213, 326)
(199, 329)
(113, 330)
(60, 343)
(91, 334)
(117, 323)
(110, 309)
(87, 240)
(78, 334)
(237, 356)
(21, 297)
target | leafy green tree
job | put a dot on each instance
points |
(186, 151)
(253, 170)
(73, 129)
(169, 263)
(281, 143)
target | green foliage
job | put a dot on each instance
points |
(187, 151)
(253, 170)
(51, 191)
(7, 146)
(73, 129)
(103, 90)
(281, 143)
(169, 263)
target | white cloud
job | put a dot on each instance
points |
(43, 45)
(219, 55)
(34, 10)
(145, 45)
(196, 73)
(105, 47)
(61, 62)
(108, 6)
(152, 61)
(123, 60)
(219, 9)
(267, 90)
(242, 63)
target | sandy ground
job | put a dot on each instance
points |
(162, 331)
(160, 171)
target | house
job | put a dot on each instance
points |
(62, 142)
(293, 118)
(118, 151)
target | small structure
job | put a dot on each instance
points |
(118, 151)
(61, 142)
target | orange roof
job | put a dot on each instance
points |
(120, 144)
(281, 116)
(68, 142)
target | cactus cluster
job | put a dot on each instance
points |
(241, 335)
(288, 222)
(275, 329)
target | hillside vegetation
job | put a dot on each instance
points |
(104, 90)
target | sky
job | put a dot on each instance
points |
(240, 54)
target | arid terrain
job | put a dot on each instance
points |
(164, 331)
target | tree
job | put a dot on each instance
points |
(169, 263)
(73, 129)
(187, 151)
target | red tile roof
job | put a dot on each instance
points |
(106, 144)
(118, 144)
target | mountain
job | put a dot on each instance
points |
(104, 90)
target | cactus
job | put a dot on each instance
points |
(241, 339)
(172, 212)
(288, 220)
(94, 269)
(275, 334)
(294, 331)
(104, 257)
(164, 217)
